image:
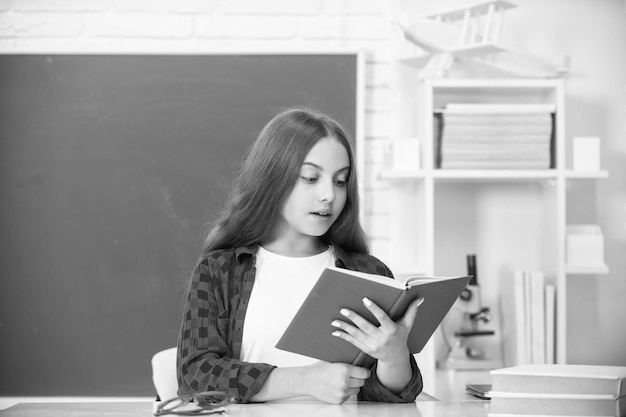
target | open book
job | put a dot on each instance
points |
(309, 333)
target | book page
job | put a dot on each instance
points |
(383, 280)
(417, 280)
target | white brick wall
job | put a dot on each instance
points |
(42, 25)
(210, 25)
(247, 27)
(166, 26)
(39, 6)
(165, 6)
(353, 7)
(271, 7)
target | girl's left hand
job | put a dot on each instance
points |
(386, 342)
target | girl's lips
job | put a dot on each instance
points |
(322, 214)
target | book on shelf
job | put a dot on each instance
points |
(485, 148)
(522, 154)
(559, 389)
(515, 350)
(537, 317)
(528, 318)
(550, 293)
(310, 331)
(498, 124)
(501, 124)
(503, 165)
(499, 120)
(493, 138)
(499, 108)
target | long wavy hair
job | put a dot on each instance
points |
(268, 175)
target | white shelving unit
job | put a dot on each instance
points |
(512, 219)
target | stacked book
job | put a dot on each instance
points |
(496, 136)
(559, 390)
(528, 318)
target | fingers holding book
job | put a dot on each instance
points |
(335, 382)
(385, 341)
(411, 312)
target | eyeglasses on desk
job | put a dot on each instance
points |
(200, 404)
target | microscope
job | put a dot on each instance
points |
(464, 353)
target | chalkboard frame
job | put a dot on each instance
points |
(41, 358)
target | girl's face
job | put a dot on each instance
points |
(320, 193)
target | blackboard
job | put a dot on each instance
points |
(111, 165)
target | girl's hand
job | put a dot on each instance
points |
(334, 382)
(387, 342)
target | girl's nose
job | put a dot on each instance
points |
(326, 191)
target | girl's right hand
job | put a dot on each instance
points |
(334, 383)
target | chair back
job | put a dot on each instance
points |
(164, 374)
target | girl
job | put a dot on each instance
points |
(293, 211)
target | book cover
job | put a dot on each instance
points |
(557, 404)
(561, 379)
(309, 333)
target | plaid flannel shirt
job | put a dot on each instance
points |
(209, 343)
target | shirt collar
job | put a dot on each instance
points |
(245, 251)
(343, 260)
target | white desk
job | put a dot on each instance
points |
(277, 409)
(448, 388)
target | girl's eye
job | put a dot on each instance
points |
(341, 183)
(308, 180)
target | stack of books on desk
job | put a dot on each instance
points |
(496, 136)
(559, 390)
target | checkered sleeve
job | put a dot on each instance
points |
(374, 390)
(205, 359)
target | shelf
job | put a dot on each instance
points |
(494, 108)
(586, 270)
(490, 174)
(470, 174)
(587, 175)
(494, 174)
(438, 215)
(504, 86)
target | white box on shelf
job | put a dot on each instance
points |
(586, 153)
(584, 246)
(405, 154)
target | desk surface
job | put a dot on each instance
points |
(447, 386)
(275, 409)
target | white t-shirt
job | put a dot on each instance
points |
(280, 286)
